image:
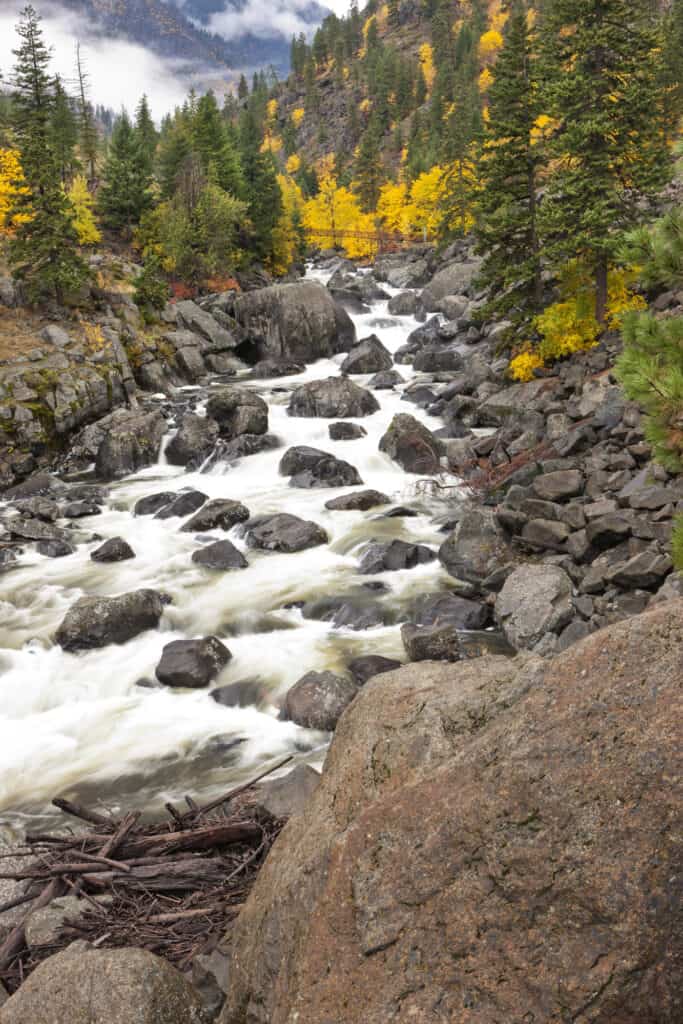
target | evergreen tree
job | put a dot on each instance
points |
(673, 61)
(145, 131)
(507, 221)
(43, 252)
(369, 168)
(125, 194)
(603, 86)
(175, 145)
(64, 133)
(394, 16)
(261, 189)
(461, 143)
(89, 140)
(243, 88)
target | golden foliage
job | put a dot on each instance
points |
(11, 178)
(427, 62)
(297, 116)
(335, 210)
(490, 43)
(271, 109)
(293, 164)
(285, 236)
(485, 81)
(83, 218)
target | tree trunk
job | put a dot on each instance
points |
(601, 290)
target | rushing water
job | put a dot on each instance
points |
(80, 723)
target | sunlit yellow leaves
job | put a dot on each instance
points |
(83, 218)
(415, 210)
(285, 235)
(490, 43)
(271, 143)
(334, 211)
(485, 81)
(298, 116)
(365, 105)
(366, 26)
(427, 62)
(11, 178)
(543, 128)
(272, 109)
(293, 163)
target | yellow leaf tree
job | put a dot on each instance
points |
(11, 178)
(334, 213)
(83, 218)
(288, 236)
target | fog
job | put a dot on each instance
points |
(120, 72)
(278, 17)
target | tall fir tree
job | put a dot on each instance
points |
(603, 87)
(64, 133)
(369, 169)
(88, 135)
(261, 188)
(507, 212)
(44, 250)
(125, 194)
(145, 131)
(460, 155)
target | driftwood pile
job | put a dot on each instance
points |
(171, 888)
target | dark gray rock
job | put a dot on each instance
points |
(152, 503)
(456, 279)
(310, 467)
(194, 441)
(358, 501)
(114, 550)
(318, 700)
(237, 411)
(185, 503)
(647, 569)
(445, 608)
(404, 304)
(132, 441)
(559, 486)
(345, 612)
(54, 548)
(94, 622)
(545, 535)
(245, 693)
(346, 431)
(33, 529)
(268, 369)
(385, 381)
(409, 443)
(245, 445)
(431, 643)
(221, 513)
(192, 663)
(441, 359)
(477, 548)
(393, 555)
(608, 531)
(334, 398)
(369, 665)
(368, 356)
(221, 555)
(80, 510)
(284, 532)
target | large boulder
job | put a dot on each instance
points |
(334, 398)
(284, 532)
(221, 555)
(238, 411)
(192, 663)
(457, 279)
(390, 556)
(299, 321)
(444, 608)
(198, 321)
(368, 356)
(132, 441)
(310, 467)
(194, 441)
(221, 514)
(84, 985)
(97, 621)
(412, 445)
(477, 550)
(534, 606)
(490, 841)
(318, 699)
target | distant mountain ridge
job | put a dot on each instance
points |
(175, 31)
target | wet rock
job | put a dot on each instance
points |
(245, 693)
(284, 532)
(152, 503)
(98, 621)
(54, 548)
(310, 467)
(193, 442)
(334, 398)
(285, 797)
(346, 431)
(358, 501)
(114, 550)
(477, 549)
(131, 442)
(430, 643)
(297, 321)
(516, 761)
(559, 486)
(221, 555)
(185, 503)
(80, 510)
(409, 443)
(37, 485)
(34, 529)
(444, 608)
(404, 304)
(38, 508)
(192, 663)
(393, 555)
(345, 612)
(442, 359)
(369, 665)
(368, 356)
(385, 381)
(318, 700)
(83, 985)
(221, 514)
(535, 601)
(271, 368)
(237, 411)
(245, 445)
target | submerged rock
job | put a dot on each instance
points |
(183, 504)
(192, 663)
(346, 431)
(369, 665)
(97, 621)
(152, 503)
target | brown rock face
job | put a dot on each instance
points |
(492, 842)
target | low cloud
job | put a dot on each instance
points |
(266, 20)
(120, 72)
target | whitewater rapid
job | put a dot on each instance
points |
(80, 724)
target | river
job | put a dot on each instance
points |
(81, 725)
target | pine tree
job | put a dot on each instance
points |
(43, 252)
(175, 145)
(460, 149)
(673, 60)
(145, 131)
(603, 87)
(243, 88)
(89, 140)
(507, 212)
(125, 195)
(261, 189)
(64, 133)
(369, 168)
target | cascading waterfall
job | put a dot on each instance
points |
(84, 723)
